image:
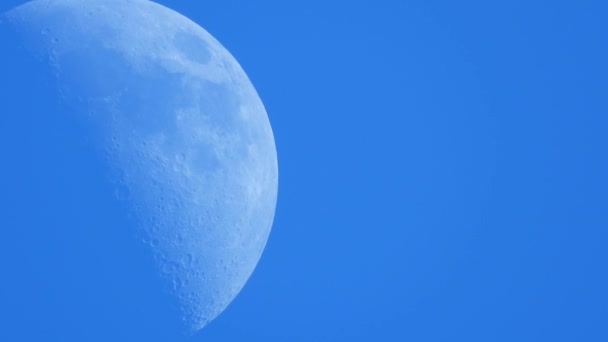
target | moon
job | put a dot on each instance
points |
(182, 129)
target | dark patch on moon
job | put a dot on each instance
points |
(192, 47)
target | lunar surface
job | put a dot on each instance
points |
(182, 128)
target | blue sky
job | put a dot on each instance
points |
(442, 169)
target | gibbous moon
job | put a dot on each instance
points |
(181, 127)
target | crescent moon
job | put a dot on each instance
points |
(181, 126)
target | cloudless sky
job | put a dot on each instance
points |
(442, 169)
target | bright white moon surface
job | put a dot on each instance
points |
(182, 128)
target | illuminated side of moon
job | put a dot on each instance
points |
(182, 127)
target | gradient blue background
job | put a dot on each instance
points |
(442, 169)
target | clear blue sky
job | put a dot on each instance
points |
(443, 169)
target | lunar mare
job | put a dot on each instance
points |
(183, 129)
